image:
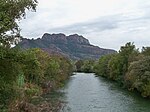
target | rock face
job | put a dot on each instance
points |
(72, 46)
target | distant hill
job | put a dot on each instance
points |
(72, 46)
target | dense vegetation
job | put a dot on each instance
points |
(24, 74)
(12, 11)
(129, 68)
(86, 66)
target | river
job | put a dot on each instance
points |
(88, 93)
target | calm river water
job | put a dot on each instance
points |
(88, 93)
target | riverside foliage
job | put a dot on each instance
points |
(24, 74)
(128, 67)
(12, 11)
(84, 66)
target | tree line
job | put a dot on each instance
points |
(86, 65)
(129, 67)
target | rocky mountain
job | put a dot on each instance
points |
(72, 46)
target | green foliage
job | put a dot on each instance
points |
(102, 66)
(10, 12)
(32, 70)
(23, 72)
(52, 69)
(128, 67)
(126, 53)
(138, 76)
(88, 66)
(117, 67)
(33, 90)
(85, 66)
(7, 93)
(62, 70)
(146, 51)
(78, 65)
(117, 64)
(8, 75)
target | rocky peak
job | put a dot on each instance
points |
(75, 38)
(54, 38)
(59, 35)
(62, 38)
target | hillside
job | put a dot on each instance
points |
(72, 46)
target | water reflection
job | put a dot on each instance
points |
(87, 93)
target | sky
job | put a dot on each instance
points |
(105, 23)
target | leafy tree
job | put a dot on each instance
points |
(52, 69)
(12, 11)
(88, 66)
(9, 72)
(127, 53)
(65, 65)
(138, 76)
(32, 67)
(78, 65)
(146, 51)
(101, 68)
(23, 71)
(128, 67)
(85, 66)
(116, 66)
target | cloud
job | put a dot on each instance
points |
(100, 24)
(106, 23)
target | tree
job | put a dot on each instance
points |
(138, 76)
(116, 66)
(128, 53)
(101, 67)
(78, 65)
(129, 68)
(88, 66)
(32, 66)
(12, 11)
(52, 69)
(146, 51)
(9, 72)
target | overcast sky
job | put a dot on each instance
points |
(106, 23)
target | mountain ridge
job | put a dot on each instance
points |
(73, 46)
